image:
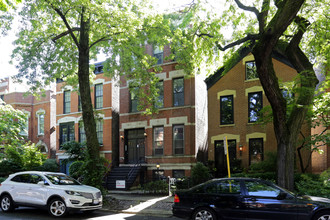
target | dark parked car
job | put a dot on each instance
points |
(246, 198)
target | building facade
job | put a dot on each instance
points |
(235, 101)
(69, 123)
(167, 143)
(40, 112)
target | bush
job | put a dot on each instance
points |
(75, 169)
(200, 173)
(159, 187)
(183, 183)
(312, 185)
(2, 179)
(267, 165)
(7, 167)
(50, 165)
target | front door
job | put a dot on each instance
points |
(221, 159)
(135, 146)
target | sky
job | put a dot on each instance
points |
(6, 43)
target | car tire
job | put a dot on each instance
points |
(57, 208)
(322, 216)
(204, 213)
(7, 203)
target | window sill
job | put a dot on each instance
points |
(229, 125)
(251, 80)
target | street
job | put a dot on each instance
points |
(37, 214)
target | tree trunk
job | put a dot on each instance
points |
(86, 102)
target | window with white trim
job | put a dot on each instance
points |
(67, 101)
(99, 131)
(41, 124)
(251, 70)
(178, 139)
(99, 96)
(158, 140)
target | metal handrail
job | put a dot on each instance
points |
(130, 173)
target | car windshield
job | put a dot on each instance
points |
(58, 179)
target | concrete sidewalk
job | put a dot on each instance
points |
(135, 202)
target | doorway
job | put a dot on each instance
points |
(135, 146)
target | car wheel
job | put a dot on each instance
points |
(7, 203)
(57, 208)
(322, 216)
(203, 214)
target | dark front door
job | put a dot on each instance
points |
(221, 159)
(135, 150)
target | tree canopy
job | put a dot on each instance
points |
(12, 123)
(58, 39)
(297, 29)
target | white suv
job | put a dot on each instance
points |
(57, 192)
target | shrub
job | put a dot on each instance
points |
(8, 166)
(268, 165)
(183, 183)
(200, 173)
(2, 179)
(75, 169)
(50, 165)
(159, 187)
(312, 184)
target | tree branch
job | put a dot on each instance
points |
(70, 30)
(238, 42)
(54, 39)
(247, 8)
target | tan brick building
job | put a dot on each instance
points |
(69, 124)
(174, 137)
(40, 112)
(234, 100)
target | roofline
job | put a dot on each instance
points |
(244, 51)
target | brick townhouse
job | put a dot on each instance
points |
(40, 113)
(235, 99)
(167, 143)
(69, 124)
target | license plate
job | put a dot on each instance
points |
(96, 201)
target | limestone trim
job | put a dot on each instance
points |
(68, 119)
(248, 59)
(229, 137)
(254, 89)
(256, 135)
(132, 125)
(226, 93)
(176, 74)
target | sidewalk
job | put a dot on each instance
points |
(135, 202)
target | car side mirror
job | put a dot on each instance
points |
(282, 195)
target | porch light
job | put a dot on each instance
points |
(240, 149)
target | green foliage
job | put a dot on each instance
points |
(75, 150)
(269, 164)
(50, 165)
(75, 169)
(313, 185)
(2, 179)
(271, 176)
(32, 157)
(8, 166)
(183, 183)
(156, 187)
(12, 122)
(200, 173)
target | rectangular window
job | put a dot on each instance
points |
(178, 174)
(99, 131)
(227, 110)
(67, 102)
(158, 54)
(25, 127)
(160, 101)
(66, 132)
(41, 124)
(251, 70)
(133, 100)
(2, 97)
(255, 106)
(256, 150)
(158, 140)
(231, 149)
(99, 96)
(178, 92)
(178, 139)
(79, 103)
(82, 134)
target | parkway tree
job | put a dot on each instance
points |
(297, 29)
(59, 39)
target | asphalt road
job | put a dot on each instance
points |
(37, 214)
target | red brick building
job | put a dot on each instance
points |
(235, 98)
(40, 112)
(169, 142)
(69, 124)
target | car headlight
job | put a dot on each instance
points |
(73, 193)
